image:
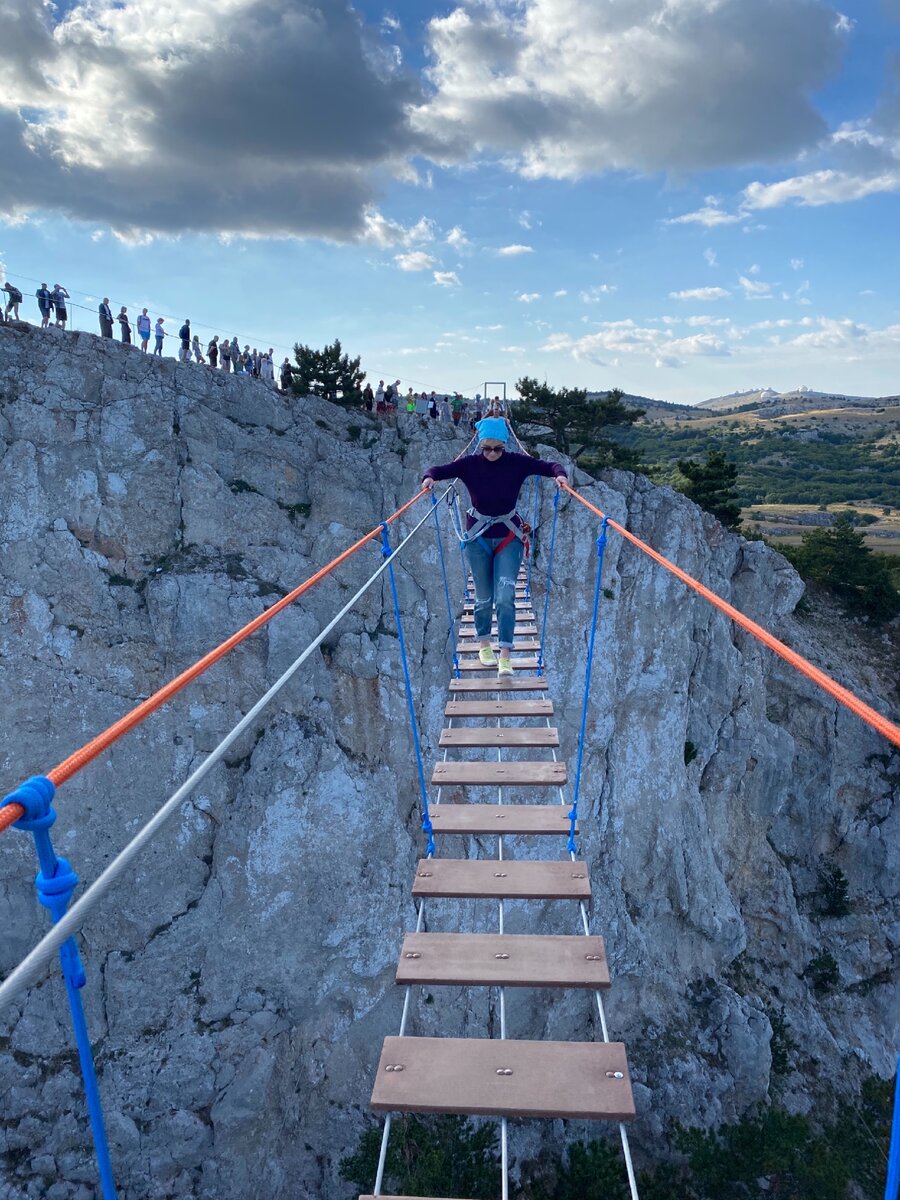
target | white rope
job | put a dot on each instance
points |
(585, 924)
(29, 969)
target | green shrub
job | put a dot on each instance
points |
(442, 1156)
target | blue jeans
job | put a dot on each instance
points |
(494, 576)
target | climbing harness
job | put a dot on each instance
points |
(484, 521)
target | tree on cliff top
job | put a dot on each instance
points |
(575, 423)
(330, 373)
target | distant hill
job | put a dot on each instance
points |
(800, 399)
(802, 447)
(657, 406)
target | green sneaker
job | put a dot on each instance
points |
(504, 665)
(487, 656)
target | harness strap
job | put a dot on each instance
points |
(484, 521)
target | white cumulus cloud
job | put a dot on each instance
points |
(701, 293)
(457, 240)
(415, 260)
(564, 88)
(447, 278)
(514, 250)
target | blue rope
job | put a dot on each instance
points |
(440, 542)
(55, 883)
(426, 816)
(573, 812)
(535, 517)
(458, 529)
(540, 666)
(892, 1186)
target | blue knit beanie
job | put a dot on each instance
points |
(493, 427)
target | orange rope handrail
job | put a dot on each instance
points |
(11, 813)
(883, 726)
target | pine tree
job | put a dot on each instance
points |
(711, 485)
(838, 559)
(572, 423)
(330, 373)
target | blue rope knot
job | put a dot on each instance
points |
(36, 796)
(572, 815)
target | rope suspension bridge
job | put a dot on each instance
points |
(497, 718)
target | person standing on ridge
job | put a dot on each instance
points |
(59, 296)
(495, 536)
(212, 351)
(15, 299)
(143, 328)
(159, 334)
(125, 325)
(185, 334)
(106, 317)
(45, 304)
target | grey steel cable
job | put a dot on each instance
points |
(29, 969)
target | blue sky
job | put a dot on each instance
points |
(684, 198)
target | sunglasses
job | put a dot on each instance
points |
(492, 450)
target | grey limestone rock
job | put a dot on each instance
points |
(240, 979)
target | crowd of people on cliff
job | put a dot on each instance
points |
(220, 353)
(387, 401)
(224, 355)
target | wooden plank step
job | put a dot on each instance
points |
(471, 646)
(528, 663)
(500, 819)
(519, 604)
(511, 879)
(498, 708)
(469, 630)
(489, 735)
(504, 683)
(587, 1081)
(500, 774)
(504, 959)
(522, 618)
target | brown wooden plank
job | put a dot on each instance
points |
(522, 618)
(584, 1081)
(521, 645)
(506, 960)
(490, 735)
(500, 774)
(519, 663)
(469, 605)
(501, 819)
(469, 630)
(498, 708)
(502, 683)
(512, 879)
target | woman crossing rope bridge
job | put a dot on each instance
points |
(495, 539)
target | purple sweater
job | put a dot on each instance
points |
(494, 484)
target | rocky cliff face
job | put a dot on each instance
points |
(240, 980)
